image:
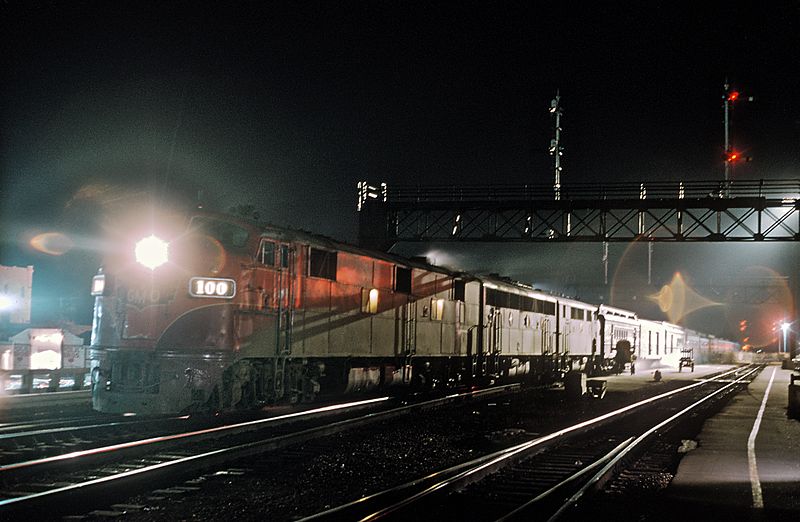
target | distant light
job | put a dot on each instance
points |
(55, 338)
(733, 156)
(785, 327)
(151, 252)
(98, 284)
(6, 303)
(372, 301)
(46, 360)
(733, 95)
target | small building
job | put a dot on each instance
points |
(43, 349)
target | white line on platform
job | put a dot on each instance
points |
(755, 482)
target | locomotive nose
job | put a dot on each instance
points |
(200, 254)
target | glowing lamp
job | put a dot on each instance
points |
(369, 301)
(6, 303)
(785, 327)
(98, 284)
(151, 252)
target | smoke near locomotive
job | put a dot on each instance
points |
(216, 312)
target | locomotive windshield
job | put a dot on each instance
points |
(229, 234)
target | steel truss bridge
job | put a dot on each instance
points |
(755, 210)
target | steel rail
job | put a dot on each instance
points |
(193, 436)
(193, 463)
(37, 430)
(608, 470)
(572, 478)
(26, 401)
(378, 505)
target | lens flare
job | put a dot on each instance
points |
(677, 299)
(758, 305)
(52, 243)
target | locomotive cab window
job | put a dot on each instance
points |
(266, 253)
(284, 256)
(322, 263)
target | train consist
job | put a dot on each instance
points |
(224, 313)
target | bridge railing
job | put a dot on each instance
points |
(770, 189)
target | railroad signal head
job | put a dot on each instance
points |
(733, 96)
(736, 157)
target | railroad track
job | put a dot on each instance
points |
(23, 404)
(74, 482)
(549, 477)
(34, 440)
(24, 441)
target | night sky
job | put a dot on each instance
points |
(287, 105)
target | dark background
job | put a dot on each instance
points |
(285, 106)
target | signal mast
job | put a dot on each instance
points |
(556, 150)
(731, 155)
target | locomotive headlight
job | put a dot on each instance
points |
(151, 252)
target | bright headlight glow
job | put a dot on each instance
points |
(151, 252)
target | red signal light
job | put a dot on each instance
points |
(733, 95)
(732, 157)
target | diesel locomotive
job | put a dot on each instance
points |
(213, 312)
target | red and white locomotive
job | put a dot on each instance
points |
(226, 313)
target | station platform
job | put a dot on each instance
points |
(747, 462)
(625, 382)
